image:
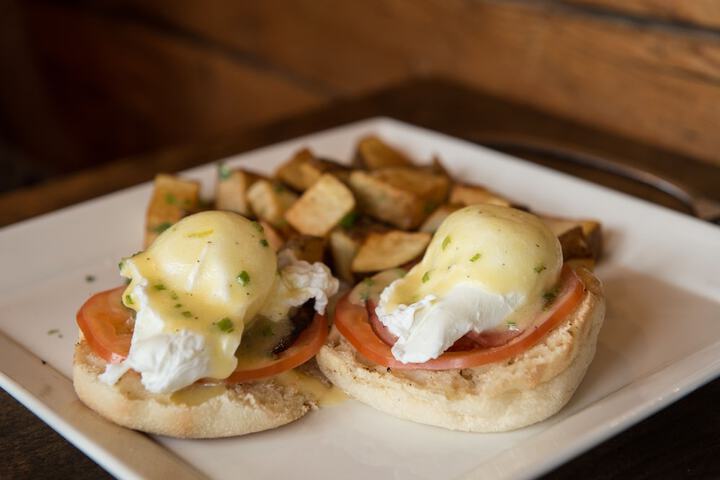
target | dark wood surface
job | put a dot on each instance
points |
(682, 441)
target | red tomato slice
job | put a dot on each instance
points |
(107, 326)
(353, 323)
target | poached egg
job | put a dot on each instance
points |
(198, 287)
(487, 267)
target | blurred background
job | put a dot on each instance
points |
(87, 82)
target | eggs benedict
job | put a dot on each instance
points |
(209, 319)
(488, 332)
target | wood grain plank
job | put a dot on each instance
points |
(124, 88)
(654, 84)
(705, 13)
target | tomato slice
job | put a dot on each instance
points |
(107, 326)
(303, 349)
(353, 323)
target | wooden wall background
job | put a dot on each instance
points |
(88, 81)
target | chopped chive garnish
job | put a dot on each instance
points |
(540, 268)
(549, 297)
(121, 264)
(174, 295)
(369, 281)
(243, 278)
(475, 257)
(446, 242)
(89, 278)
(225, 325)
(349, 220)
(512, 325)
(264, 242)
(129, 300)
(203, 233)
(430, 207)
(426, 277)
(257, 226)
(161, 227)
(159, 287)
(187, 314)
(170, 199)
(278, 188)
(223, 171)
(178, 305)
(53, 331)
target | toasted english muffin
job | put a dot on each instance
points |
(196, 411)
(496, 397)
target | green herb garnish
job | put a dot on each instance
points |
(349, 220)
(174, 295)
(223, 171)
(160, 228)
(257, 226)
(225, 325)
(171, 199)
(89, 278)
(160, 287)
(200, 234)
(53, 331)
(430, 207)
(446, 242)
(426, 277)
(512, 325)
(278, 188)
(475, 257)
(549, 297)
(243, 278)
(178, 305)
(540, 268)
(129, 300)
(186, 314)
(264, 242)
(369, 281)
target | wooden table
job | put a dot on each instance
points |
(681, 441)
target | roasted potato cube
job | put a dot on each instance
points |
(343, 246)
(579, 238)
(474, 194)
(274, 238)
(386, 202)
(372, 153)
(304, 169)
(321, 207)
(432, 223)
(270, 202)
(380, 251)
(231, 190)
(429, 187)
(172, 199)
(306, 247)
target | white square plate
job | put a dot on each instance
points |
(661, 337)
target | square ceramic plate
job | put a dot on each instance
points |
(661, 337)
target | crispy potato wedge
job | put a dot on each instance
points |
(386, 202)
(343, 247)
(372, 153)
(429, 187)
(231, 190)
(473, 194)
(380, 251)
(321, 207)
(579, 238)
(270, 201)
(306, 247)
(432, 223)
(304, 169)
(172, 199)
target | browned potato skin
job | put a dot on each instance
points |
(231, 192)
(432, 223)
(321, 207)
(380, 251)
(308, 248)
(462, 194)
(304, 169)
(385, 202)
(372, 153)
(270, 201)
(428, 187)
(579, 238)
(172, 199)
